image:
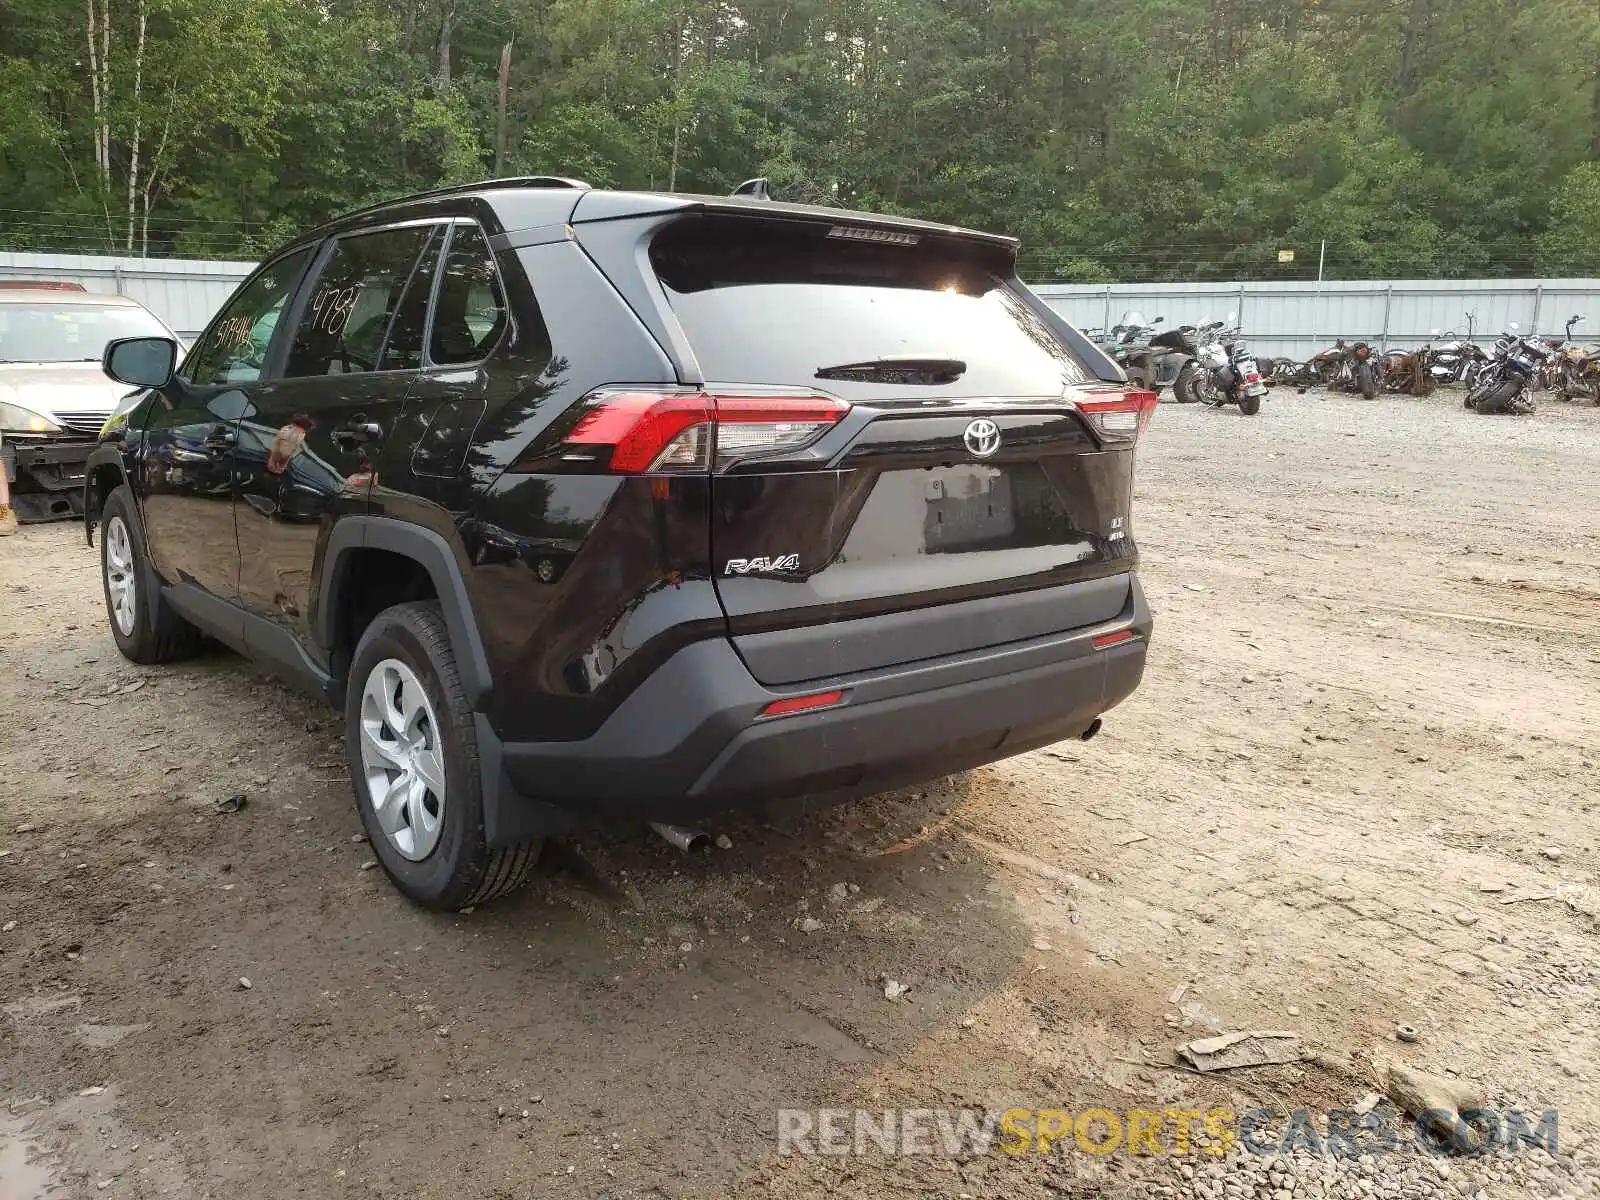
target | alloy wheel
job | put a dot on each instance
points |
(121, 586)
(402, 758)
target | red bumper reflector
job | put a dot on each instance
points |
(794, 704)
(1107, 640)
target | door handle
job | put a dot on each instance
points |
(358, 433)
(220, 440)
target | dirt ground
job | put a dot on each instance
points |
(1357, 789)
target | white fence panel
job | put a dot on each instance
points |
(182, 292)
(1288, 319)
(1296, 320)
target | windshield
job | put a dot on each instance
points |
(53, 333)
(1133, 317)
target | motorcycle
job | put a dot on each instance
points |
(1580, 375)
(1456, 359)
(1150, 360)
(1324, 368)
(1552, 373)
(1410, 372)
(1191, 374)
(1229, 372)
(1301, 374)
(1357, 371)
(1174, 358)
(1505, 384)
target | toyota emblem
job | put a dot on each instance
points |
(982, 437)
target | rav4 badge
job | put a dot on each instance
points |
(758, 566)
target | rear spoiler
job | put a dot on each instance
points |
(611, 206)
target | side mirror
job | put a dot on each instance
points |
(1232, 317)
(1513, 327)
(141, 362)
(1158, 320)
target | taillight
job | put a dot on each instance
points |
(1119, 416)
(645, 428)
(749, 425)
(666, 431)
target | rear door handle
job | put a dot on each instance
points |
(220, 440)
(358, 433)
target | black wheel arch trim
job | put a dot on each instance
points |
(107, 454)
(438, 558)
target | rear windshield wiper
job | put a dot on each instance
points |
(898, 368)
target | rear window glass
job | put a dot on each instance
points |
(773, 303)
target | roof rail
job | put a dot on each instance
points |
(456, 189)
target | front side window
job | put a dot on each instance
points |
(235, 349)
(470, 313)
(52, 332)
(349, 307)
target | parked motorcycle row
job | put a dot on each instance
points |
(1202, 364)
(1210, 364)
(1504, 377)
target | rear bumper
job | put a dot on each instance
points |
(690, 741)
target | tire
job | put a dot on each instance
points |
(1249, 405)
(430, 837)
(1183, 385)
(1503, 397)
(1367, 380)
(145, 627)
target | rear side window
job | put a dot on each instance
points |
(348, 308)
(470, 314)
(773, 302)
(403, 350)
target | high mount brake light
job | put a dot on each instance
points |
(664, 431)
(865, 233)
(1119, 416)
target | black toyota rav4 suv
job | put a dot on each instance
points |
(589, 504)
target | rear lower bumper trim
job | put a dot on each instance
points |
(689, 742)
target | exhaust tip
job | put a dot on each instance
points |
(1089, 733)
(684, 837)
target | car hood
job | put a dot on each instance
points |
(50, 389)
